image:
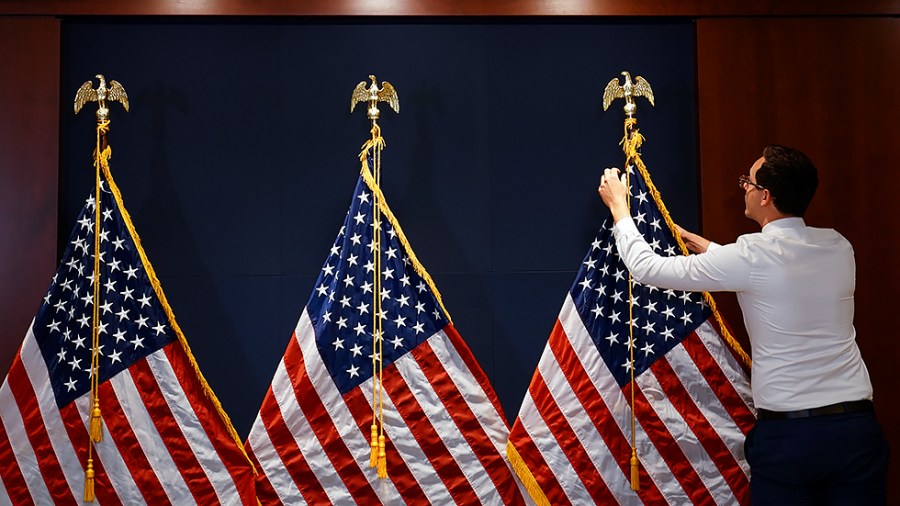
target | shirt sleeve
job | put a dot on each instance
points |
(721, 268)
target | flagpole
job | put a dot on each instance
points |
(372, 95)
(630, 143)
(102, 152)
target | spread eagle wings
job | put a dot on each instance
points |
(117, 93)
(642, 89)
(612, 92)
(85, 94)
(386, 94)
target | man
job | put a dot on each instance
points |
(816, 440)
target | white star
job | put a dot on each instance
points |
(355, 239)
(84, 321)
(356, 350)
(88, 298)
(367, 287)
(650, 307)
(668, 312)
(642, 196)
(360, 218)
(145, 300)
(598, 311)
(322, 289)
(405, 280)
(114, 357)
(118, 244)
(655, 224)
(348, 280)
(391, 233)
(648, 328)
(628, 365)
(640, 218)
(420, 307)
(612, 338)
(363, 197)
(351, 260)
(436, 313)
(85, 222)
(70, 385)
(391, 252)
(403, 300)
(420, 327)
(388, 274)
(670, 250)
(400, 321)
(385, 294)
(360, 329)
(102, 328)
(336, 250)
(601, 290)
(120, 336)
(61, 355)
(686, 297)
(619, 275)
(159, 328)
(142, 321)
(667, 333)
(131, 272)
(586, 284)
(397, 342)
(669, 293)
(114, 265)
(362, 307)
(647, 349)
(654, 244)
(617, 296)
(104, 236)
(614, 318)
(354, 371)
(369, 266)
(328, 270)
(595, 244)
(54, 325)
(138, 342)
(75, 363)
(686, 318)
(338, 343)
(341, 323)
(421, 286)
(590, 263)
(345, 301)
(126, 294)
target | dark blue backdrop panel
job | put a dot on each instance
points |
(239, 156)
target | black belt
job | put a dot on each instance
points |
(831, 409)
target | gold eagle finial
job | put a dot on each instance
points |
(373, 94)
(86, 93)
(629, 90)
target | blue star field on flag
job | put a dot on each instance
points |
(661, 318)
(341, 305)
(132, 322)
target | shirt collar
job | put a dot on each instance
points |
(783, 224)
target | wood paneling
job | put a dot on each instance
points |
(446, 8)
(827, 86)
(29, 140)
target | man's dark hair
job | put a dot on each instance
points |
(790, 177)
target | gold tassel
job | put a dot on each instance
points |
(373, 455)
(96, 432)
(634, 470)
(89, 482)
(382, 458)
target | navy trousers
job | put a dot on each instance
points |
(830, 459)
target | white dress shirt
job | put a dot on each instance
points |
(795, 286)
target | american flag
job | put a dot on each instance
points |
(165, 438)
(572, 438)
(446, 432)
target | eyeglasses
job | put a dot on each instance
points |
(743, 181)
